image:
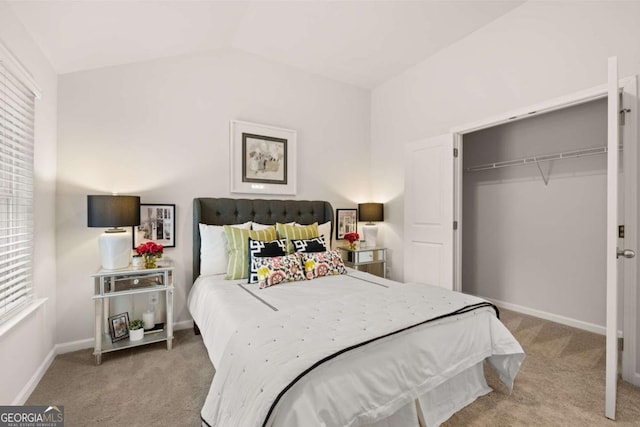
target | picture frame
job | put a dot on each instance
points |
(258, 164)
(346, 222)
(157, 224)
(119, 326)
(263, 159)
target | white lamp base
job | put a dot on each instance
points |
(370, 232)
(115, 250)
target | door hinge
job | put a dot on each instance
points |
(621, 344)
(455, 225)
(455, 152)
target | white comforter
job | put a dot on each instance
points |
(220, 306)
(266, 355)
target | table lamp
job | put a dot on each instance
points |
(114, 211)
(370, 213)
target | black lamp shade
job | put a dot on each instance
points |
(371, 212)
(113, 211)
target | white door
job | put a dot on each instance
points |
(428, 211)
(612, 240)
(613, 252)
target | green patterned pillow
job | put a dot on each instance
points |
(238, 248)
(296, 232)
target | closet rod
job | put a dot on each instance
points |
(543, 158)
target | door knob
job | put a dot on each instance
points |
(627, 253)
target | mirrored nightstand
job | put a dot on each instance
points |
(128, 282)
(371, 260)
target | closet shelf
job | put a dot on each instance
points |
(538, 159)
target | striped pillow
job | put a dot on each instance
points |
(238, 248)
(291, 232)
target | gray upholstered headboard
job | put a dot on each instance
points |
(214, 211)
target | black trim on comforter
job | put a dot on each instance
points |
(462, 310)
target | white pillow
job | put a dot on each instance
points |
(214, 256)
(258, 226)
(324, 230)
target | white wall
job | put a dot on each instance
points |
(28, 347)
(534, 245)
(159, 129)
(538, 51)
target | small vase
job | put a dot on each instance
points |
(136, 334)
(150, 261)
(352, 246)
(136, 261)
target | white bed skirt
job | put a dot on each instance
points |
(436, 406)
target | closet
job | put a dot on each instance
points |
(534, 195)
(525, 208)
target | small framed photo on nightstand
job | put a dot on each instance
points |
(119, 326)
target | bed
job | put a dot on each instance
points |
(340, 350)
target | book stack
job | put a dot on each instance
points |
(158, 327)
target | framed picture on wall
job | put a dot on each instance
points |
(157, 224)
(346, 222)
(263, 159)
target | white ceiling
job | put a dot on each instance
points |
(361, 42)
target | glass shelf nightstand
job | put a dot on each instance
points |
(129, 282)
(371, 260)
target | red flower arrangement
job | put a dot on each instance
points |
(352, 237)
(150, 251)
(150, 248)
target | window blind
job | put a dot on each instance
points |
(17, 109)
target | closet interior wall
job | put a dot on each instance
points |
(534, 245)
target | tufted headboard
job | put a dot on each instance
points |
(214, 211)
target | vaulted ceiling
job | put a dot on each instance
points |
(362, 43)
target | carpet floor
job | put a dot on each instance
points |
(561, 383)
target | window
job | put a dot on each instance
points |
(17, 104)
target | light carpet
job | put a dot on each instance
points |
(561, 383)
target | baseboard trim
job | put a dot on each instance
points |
(31, 385)
(568, 321)
(185, 324)
(68, 347)
(636, 379)
(633, 379)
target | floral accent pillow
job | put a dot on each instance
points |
(319, 264)
(260, 249)
(280, 269)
